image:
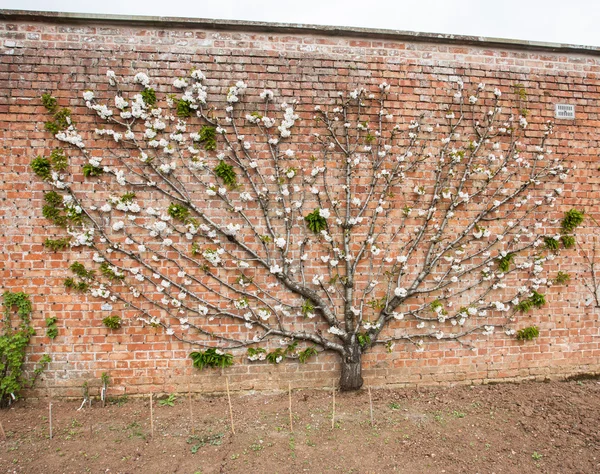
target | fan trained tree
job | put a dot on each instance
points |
(234, 224)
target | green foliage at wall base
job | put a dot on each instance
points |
(15, 335)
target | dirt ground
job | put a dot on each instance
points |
(510, 428)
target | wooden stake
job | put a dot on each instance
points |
(371, 405)
(290, 400)
(333, 411)
(50, 418)
(2, 433)
(191, 413)
(230, 407)
(151, 417)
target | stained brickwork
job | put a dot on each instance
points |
(67, 57)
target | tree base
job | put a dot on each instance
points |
(351, 378)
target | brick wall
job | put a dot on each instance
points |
(66, 57)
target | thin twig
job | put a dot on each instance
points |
(371, 405)
(230, 408)
(151, 417)
(290, 406)
(50, 418)
(333, 411)
(191, 413)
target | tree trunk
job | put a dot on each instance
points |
(351, 378)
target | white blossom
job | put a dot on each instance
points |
(400, 292)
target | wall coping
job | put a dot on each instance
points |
(293, 28)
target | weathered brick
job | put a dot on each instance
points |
(65, 58)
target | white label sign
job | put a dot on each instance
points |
(564, 111)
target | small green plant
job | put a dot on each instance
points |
(53, 210)
(551, 243)
(568, 241)
(207, 136)
(436, 305)
(51, 328)
(226, 173)
(149, 96)
(105, 379)
(536, 300)
(504, 262)
(394, 406)
(178, 211)
(528, 333)
(61, 121)
(49, 102)
(112, 322)
(85, 391)
(536, 456)
(127, 197)
(458, 414)
(59, 159)
(306, 354)
(91, 171)
(80, 286)
(57, 244)
(520, 91)
(571, 220)
(198, 442)
(315, 222)
(562, 278)
(81, 272)
(307, 308)
(254, 353)
(85, 277)
(168, 402)
(42, 167)
(256, 447)
(119, 401)
(276, 356)
(363, 339)
(183, 108)
(110, 272)
(211, 357)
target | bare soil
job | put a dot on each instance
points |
(531, 427)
